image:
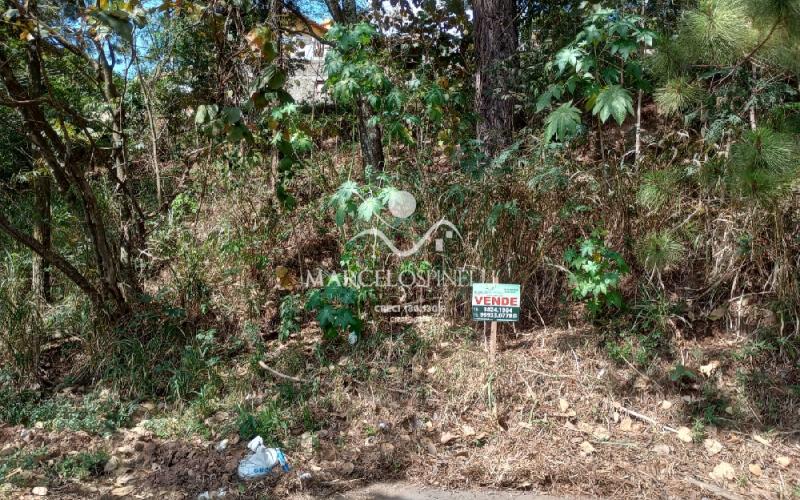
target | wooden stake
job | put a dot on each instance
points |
(493, 333)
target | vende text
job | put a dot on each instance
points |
(496, 301)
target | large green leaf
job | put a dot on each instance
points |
(613, 101)
(563, 121)
(552, 92)
(345, 191)
(274, 77)
(369, 208)
(571, 56)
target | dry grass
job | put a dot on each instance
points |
(424, 405)
(546, 418)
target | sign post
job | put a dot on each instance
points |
(495, 302)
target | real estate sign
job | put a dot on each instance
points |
(495, 302)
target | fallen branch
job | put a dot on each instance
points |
(644, 418)
(281, 375)
(714, 489)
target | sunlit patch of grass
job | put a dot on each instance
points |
(95, 413)
(20, 460)
(82, 464)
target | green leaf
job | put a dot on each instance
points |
(232, 115)
(201, 115)
(388, 194)
(205, 113)
(614, 298)
(369, 208)
(562, 122)
(613, 101)
(591, 34)
(569, 56)
(345, 192)
(552, 92)
(587, 248)
(274, 77)
(646, 36)
(624, 48)
(301, 142)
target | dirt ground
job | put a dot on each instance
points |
(407, 491)
(553, 417)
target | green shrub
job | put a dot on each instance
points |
(20, 460)
(289, 312)
(82, 464)
(660, 251)
(269, 423)
(594, 274)
(93, 413)
(336, 306)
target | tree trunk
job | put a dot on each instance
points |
(40, 269)
(53, 258)
(40, 275)
(370, 137)
(57, 156)
(133, 229)
(753, 123)
(495, 47)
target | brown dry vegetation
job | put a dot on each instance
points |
(554, 416)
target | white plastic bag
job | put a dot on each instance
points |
(262, 461)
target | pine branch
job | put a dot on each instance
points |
(748, 56)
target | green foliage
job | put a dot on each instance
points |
(682, 375)
(362, 203)
(337, 307)
(658, 188)
(225, 122)
(763, 164)
(595, 274)
(598, 69)
(82, 465)
(660, 250)
(288, 312)
(197, 367)
(358, 75)
(93, 413)
(562, 122)
(677, 95)
(20, 460)
(269, 423)
(613, 101)
(768, 13)
(158, 353)
(268, 119)
(352, 73)
(716, 32)
(635, 346)
(22, 327)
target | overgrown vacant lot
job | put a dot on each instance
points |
(295, 219)
(554, 416)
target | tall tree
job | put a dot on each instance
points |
(55, 128)
(495, 48)
(369, 132)
(40, 268)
